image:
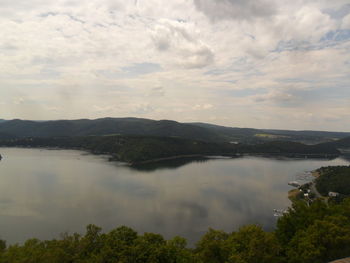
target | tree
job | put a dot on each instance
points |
(323, 241)
(251, 244)
(212, 248)
(119, 245)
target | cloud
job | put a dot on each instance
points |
(141, 69)
(236, 9)
(105, 109)
(157, 92)
(205, 106)
(346, 22)
(309, 24)
(338, 12)
(284, 98)
(267, 61)
(180, 39)
(18, 101)
(141, 109)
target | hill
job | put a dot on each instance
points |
(341, 143)
(162, 128)
(138, 149)
(105, 126)
(251, 135)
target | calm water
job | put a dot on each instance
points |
(46, 192)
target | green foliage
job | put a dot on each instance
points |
(334, 179)
(133, 149)
(316, 233)
(299, 217)
(323, 241)
(141, 149)
(165, 128)
(251, 244)
(2, 245)
(212, 247)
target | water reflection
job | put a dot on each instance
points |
(176, 163)
(44, 193)
(168, 164)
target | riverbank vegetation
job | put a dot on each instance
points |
(333, 179)
(138, 149)
(317, 233)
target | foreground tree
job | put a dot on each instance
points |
(251, 244)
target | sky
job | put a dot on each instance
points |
(243, 63)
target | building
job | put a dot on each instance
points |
(333, 194)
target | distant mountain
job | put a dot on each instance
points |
(251, 135)
(106, 126)
(339, 144)
(343, 143)
(163, 128)
(6, 136)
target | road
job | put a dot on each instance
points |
(314, 190)
(317, 194)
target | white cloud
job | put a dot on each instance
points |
(308, 24)
(205, 106)
(259, 62)
(142, 108)
(157, 92)
(18, 101)
(236, 9)
(346, 22)
(181, 40)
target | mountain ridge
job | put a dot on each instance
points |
(17, 128)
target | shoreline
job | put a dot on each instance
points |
(112, 156)
(315, 174)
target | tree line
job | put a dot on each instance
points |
(136, 149)
(334, 179)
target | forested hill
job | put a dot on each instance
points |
(105, 126)
(343, 143)
(163, 128)
(136, 149)
(250, 134)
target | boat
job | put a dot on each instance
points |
(280, 212)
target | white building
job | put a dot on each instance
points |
(333, 194)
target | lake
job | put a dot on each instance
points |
(47, 192)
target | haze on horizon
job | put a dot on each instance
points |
(243, 63)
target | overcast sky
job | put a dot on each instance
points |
(244, 63)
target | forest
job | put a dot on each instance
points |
(136, 149)
(334, 179)
(16, 129)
